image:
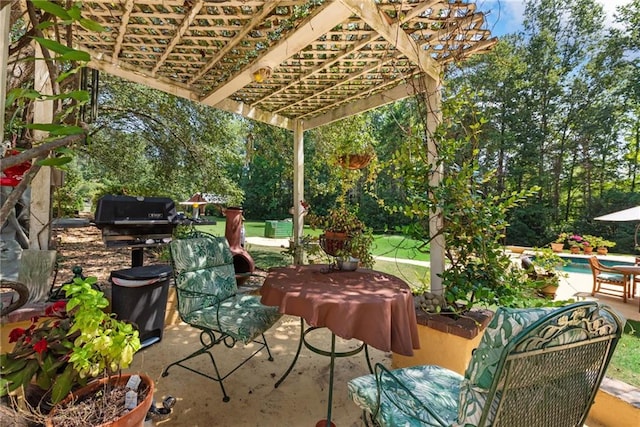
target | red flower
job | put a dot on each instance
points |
(15, 334)
(56, 308)
(41, 346)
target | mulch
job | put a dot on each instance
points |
(83, 247)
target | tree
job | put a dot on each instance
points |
(174, 147)
(63, 64)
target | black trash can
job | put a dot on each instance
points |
(139, 295)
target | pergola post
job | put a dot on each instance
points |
(434, 118)
(5, 14)
(40, 207)
(298, 190)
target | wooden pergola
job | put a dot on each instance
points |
(296, 64)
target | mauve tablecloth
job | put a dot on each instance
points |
(367, 305)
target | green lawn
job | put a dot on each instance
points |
(626, 359)
(387, 245)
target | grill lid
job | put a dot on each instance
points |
(130, 210)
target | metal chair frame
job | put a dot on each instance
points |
(209, 336)
(534, 370)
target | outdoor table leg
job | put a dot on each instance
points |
(295, 359)
(332, 354)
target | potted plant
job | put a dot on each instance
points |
(39, 361)
(104, 347)
(350, 142)
(76, 342)
(344, 234)
(601, 244)
(358, 249)
(588, 243)
(543, 270)
(575, 243)
(558, 244)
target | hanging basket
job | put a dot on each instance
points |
(355, 161)
(332, 242)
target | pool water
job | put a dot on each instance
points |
(581, 265)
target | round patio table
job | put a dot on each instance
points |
(634, 272)
(373, 307)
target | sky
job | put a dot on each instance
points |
(506, 15)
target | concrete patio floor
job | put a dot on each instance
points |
(302, 399)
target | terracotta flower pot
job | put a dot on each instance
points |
(133, 418)
(549, 291)
(557, 247)
(355, 161)
(588, 249)
(602, 250)
(575, 250)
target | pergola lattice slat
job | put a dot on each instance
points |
(322, 54)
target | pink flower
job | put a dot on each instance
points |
(15, 334)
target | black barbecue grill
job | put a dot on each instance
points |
(136, 223)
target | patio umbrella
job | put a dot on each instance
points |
(197, 202)
(626, 215)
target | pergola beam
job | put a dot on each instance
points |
(256, 20)
(320, 23)
(368, 11)
(254, 113)
(143, 79)
(128, 7)
(362, 105)
(236, 107)
(177, 38)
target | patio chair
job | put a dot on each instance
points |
(533, 367)
(603, 275)
(207, 300)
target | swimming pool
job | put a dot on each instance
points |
(580, 264)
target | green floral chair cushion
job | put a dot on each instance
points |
(204, 265)
(505, 324)
(241, 316)
(206, 284)
(206, 287)
(438, 386)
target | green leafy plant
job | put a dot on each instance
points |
(599, 242)
(75, 341)
(339, 219)
(357, 239)
(49, 22)
(479, 272)
(544, 271)
(352, 135)
(359, 247)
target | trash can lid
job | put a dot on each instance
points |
(143, 272)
